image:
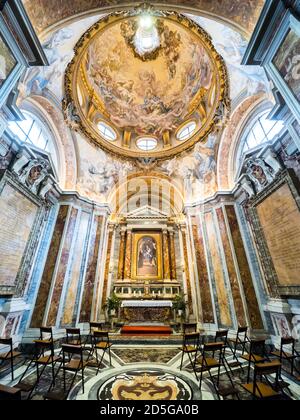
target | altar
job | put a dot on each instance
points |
(146, 311)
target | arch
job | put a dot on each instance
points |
(140, 190)
(230, 140)
(242, 15)
(51, 113)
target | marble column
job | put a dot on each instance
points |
(167, 273)
(172, 255)
(127, 268)
(122, 255)
(186, 269)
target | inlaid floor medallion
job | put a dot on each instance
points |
(145, 384)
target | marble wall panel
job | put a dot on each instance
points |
(245, 273)
(45, 286)
(233, 275)
(187, 272)
(218, 274)
(62, 268)
(107, 264)
(206, 299)
(75, 272)
(90, 278)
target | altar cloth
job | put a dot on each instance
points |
(147, 304)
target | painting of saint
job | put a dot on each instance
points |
(287, 62)
(147, 257)
(7, 61)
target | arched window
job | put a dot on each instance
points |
(262, 131)
(31, 130)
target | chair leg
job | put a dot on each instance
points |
(12, 368)
(249, 371)
(182, 356)
(110, 364)
(82, 380)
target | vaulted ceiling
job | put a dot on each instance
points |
(243, 14)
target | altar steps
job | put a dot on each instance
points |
(141, 330)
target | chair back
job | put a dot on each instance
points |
(258, 347)
(6, 341)
(221, 336)
(101, 336)
(70, 349)
(216, 349)
(263, 369)
(46, 333)
(73, 335)
(242, 330)
(191, 340)
(287, 341)
(98, 326)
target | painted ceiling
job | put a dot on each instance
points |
(149, 97)
(97, 171)
(242, 14)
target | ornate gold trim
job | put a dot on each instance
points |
(78, 122)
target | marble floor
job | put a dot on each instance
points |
(140, 372)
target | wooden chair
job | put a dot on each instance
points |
(94, 326)
(222, 336)
(289, 355)
(71, 364)
(101, 341)
(212, 358)
(44, 356)
(8, 356)
(241, 340)
(190, 347)
(257, 354)
(260, 389)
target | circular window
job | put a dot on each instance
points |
(147, 144)
(187, 131)
(107, 132)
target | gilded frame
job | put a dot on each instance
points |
(157, 237)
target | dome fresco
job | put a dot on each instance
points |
(148, 96)
(154, 94)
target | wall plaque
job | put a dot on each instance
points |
(17, 217)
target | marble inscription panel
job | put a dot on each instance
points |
(280, 220)
(17, 216)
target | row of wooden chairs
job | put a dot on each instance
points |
(208, 357)
(76, 353)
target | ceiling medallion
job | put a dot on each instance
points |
(146, 73)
